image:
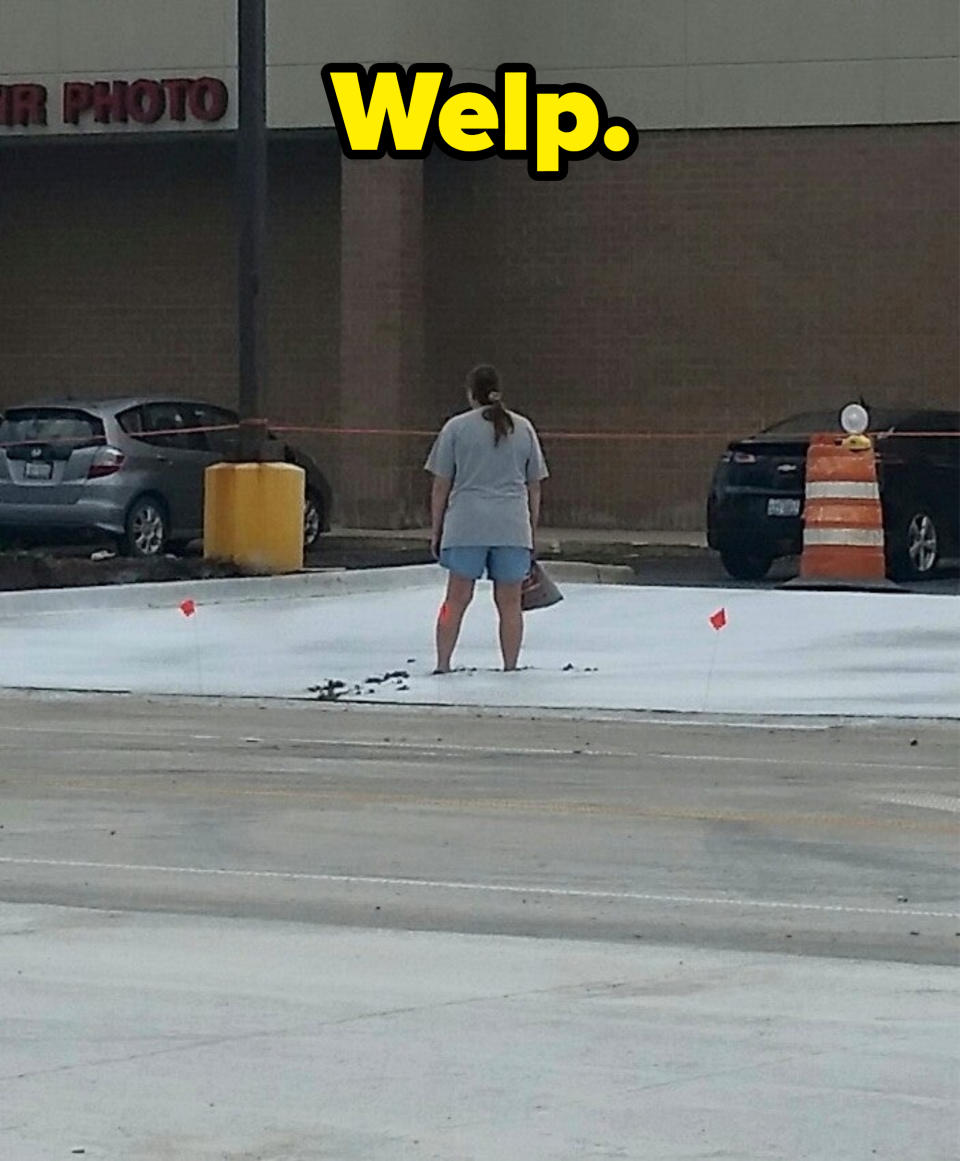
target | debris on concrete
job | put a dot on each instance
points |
(334, 689)
(329, 690)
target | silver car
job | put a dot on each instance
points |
(131, 468)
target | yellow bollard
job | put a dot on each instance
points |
(253, 515)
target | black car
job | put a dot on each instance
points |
(755, 506)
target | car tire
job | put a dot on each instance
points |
(312, 520)
(146, 528)
(913, 544)
(742, 564)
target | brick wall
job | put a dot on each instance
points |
(714, 282)
(118, 273)
(381, 339)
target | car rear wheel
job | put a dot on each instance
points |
(914, 545)
(744, 564)
(312, 520)
(146, 528)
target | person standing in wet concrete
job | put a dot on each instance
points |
(487, 466)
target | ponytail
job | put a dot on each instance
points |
(500, 418)
(483, 384)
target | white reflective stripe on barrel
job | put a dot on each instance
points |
(860, 537)
(851, 491)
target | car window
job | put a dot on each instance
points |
(162, 424)
(222, 442)
(811, 422)
(806, 423)
(53, 424)
(931, 421)
(131, 421)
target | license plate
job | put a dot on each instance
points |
(38, 471)
(780, 506)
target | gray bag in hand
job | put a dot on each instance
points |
(539, 591)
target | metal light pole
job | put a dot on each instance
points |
(252, 510)
(252, 207)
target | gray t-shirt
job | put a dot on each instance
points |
(488, 503)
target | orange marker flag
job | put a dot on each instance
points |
(718, 619)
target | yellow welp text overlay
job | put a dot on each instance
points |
(389, 111)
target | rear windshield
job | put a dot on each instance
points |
(50, 425)
(811, 422)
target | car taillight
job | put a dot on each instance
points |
(106, 461)
(742, 457)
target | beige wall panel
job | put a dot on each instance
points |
(115, 35)
(741, 63)
(816, 93)
(29, 37)
(921, 90)
(738, 31)
(457, 32)
(296, 97)
(921, 27)
(611, 33)
(652, 98)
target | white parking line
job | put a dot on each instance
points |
(490, 888)
(833, 764)
(342, 743)
(926, 801)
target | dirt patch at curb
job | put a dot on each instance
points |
(30, 570)
(70, 567)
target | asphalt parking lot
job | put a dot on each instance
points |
(325, 932)
(817, 816)
(702, 568)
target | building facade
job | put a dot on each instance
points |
(784, 237)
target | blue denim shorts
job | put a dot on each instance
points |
(509, 566)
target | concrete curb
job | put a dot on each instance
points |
(652, 538)
(238, 590)
(582, 572)
(232, 590)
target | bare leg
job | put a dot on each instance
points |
(450, 618)
(507, 598)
